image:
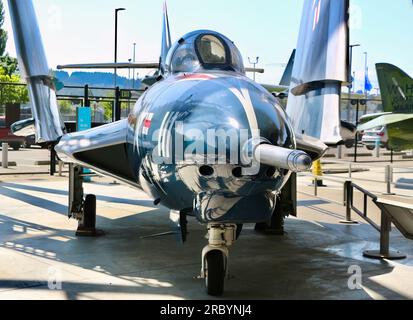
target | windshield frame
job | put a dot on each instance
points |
(227, 65)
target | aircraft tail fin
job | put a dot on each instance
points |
(34, 68)
(286, 78)
(396, 88)
(320, 69)
(166, 38)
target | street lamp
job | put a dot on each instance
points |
(134, 60)
(351, 85)
(254, 62)
(116, 40)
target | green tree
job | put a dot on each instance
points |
(3, 33)
(11, 89)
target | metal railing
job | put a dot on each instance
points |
(388, 181)
(384, 228)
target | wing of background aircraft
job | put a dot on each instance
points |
(320, 69)
(282, 89)
(396, 88)
(119, 65)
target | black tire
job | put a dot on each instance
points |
(215, 273)
(26, 145)
(370, 148)
(89, 221)
(349, 145)
(16, 148)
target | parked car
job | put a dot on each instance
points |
(7, 136)
(348, 133)
(370, 137)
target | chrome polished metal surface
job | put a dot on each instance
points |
(34, 68)
(320, 70)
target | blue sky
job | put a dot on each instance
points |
(83, 31)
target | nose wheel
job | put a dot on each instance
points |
(215, 273)
(215, 257)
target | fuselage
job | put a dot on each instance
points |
(188, 144)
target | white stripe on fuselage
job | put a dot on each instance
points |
(162, 132)
(244, 97)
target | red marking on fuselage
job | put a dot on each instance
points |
(147, 123)
(195, 76)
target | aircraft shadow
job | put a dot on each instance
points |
(281, 268)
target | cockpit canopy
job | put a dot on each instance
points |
(204, 50)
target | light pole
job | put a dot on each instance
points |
(365, 74)
(254, 63)
(129, 60)
(351, 85)
(116, 41)
(134, 60)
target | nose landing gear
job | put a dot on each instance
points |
(215, 257)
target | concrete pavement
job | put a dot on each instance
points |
(38, 249)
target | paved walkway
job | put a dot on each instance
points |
(38, 247)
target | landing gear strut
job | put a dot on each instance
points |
(276, 225)
(82, 208)
(215, 257)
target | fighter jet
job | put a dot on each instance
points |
(397, 94)
(204, 140)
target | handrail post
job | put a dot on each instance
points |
(384, 252)
(349, 203)
(389, 179)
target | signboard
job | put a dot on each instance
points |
(84, 122)
(84, 118)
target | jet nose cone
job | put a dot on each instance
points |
(294, 160)
(302, 162)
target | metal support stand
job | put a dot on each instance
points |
(384, 252)
(80, 208)
(5, 155)
(348, 201)
(52, 160)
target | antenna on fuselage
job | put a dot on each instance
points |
(166, 39)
